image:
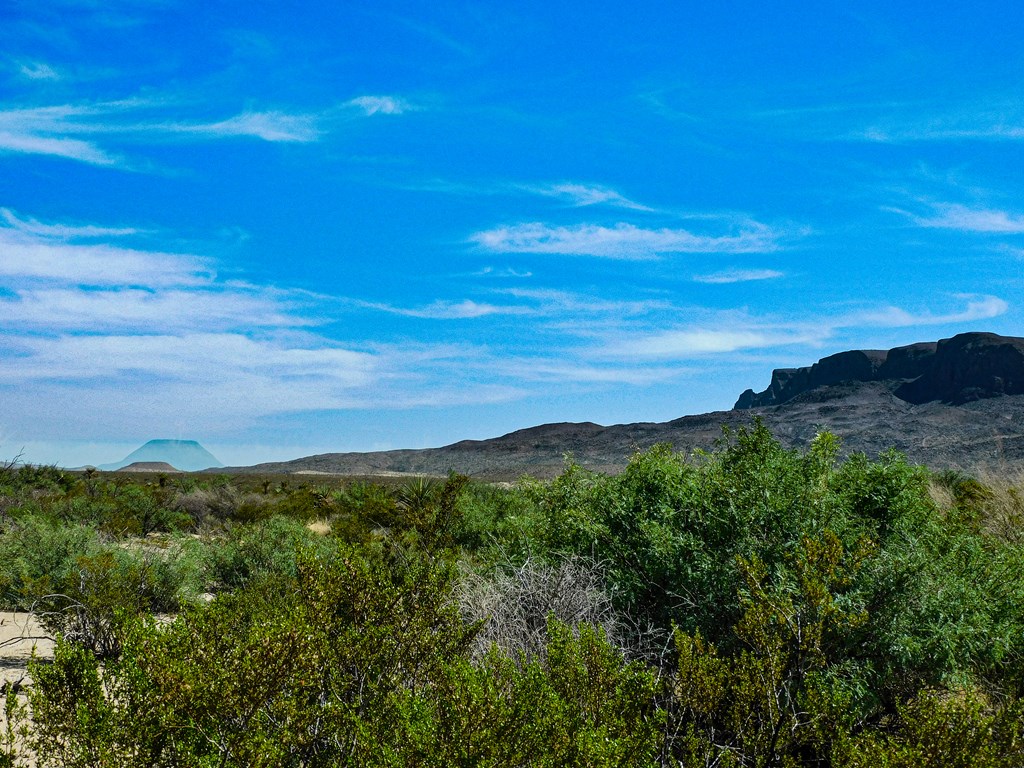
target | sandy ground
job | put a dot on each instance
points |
(19, 635)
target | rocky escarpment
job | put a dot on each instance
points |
(967, 367)
(957, 404)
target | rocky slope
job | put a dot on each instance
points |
(956, 403)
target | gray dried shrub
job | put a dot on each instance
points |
(515, 601)
(220, 503)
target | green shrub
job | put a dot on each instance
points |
(252, 551)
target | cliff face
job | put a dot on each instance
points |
(967, 367)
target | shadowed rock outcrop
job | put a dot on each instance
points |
(971, 366)
(967, 367)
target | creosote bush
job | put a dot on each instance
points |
(796, 609)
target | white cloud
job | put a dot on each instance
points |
(703, 341)
(206, 358)
(738, 276)
(49, 131)
(143, 310)
(966, 219)
(74, 131)
(979, 130)
(32, 256)
(101, 339)
(575, 304)
(62, 231)
(545, 370)
(379, 105)
(977, 308)
(70, 149)
(37, 70)
(503, 272)
(449, 310)
(582, 195)
(622, 241)
(268, 126)
(728, 332)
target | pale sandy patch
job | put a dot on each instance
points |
(20, 634)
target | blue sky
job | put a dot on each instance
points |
(283, 229)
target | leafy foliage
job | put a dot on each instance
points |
(814, 612)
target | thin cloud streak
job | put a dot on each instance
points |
(622, 241)
(268, 126)
(142, 311)
(977, 308)
(33, 257)
(965, 219)
(37, 70)
(733, 334)
(993, 119)
(552, 301)
(698, 342)
(189, 357)
(738, 276)
(379, 105)
(546, 370)
(62, 231)
(583, 195)
(448, 310)
(71, 131)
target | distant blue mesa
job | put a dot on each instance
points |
(186, 455)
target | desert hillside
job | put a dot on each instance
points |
(955, 403)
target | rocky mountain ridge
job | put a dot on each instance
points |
(956, 403)
(967, 367)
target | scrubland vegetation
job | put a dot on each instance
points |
(749, 607)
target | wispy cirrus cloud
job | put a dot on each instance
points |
(996, 118)
(966, 219)
(552, 301)
(547, 370)
(53, 131)
(583, 195)
(145, 310)
(448, 310)
(37, 70)
(738, 276)
(183, 357)
(37, 257)
(76, 132)
(62, 231)
(89, 321)
(83, 132)
(621, 241)
(502, 272)
(729, 332)
(704, 340)
(975, 308)
(380, 105)
(273, 126)
(895, 133)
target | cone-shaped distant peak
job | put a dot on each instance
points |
(186, 455)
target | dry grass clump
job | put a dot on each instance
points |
(320, 527)
(995, 499)
(1002, 507)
